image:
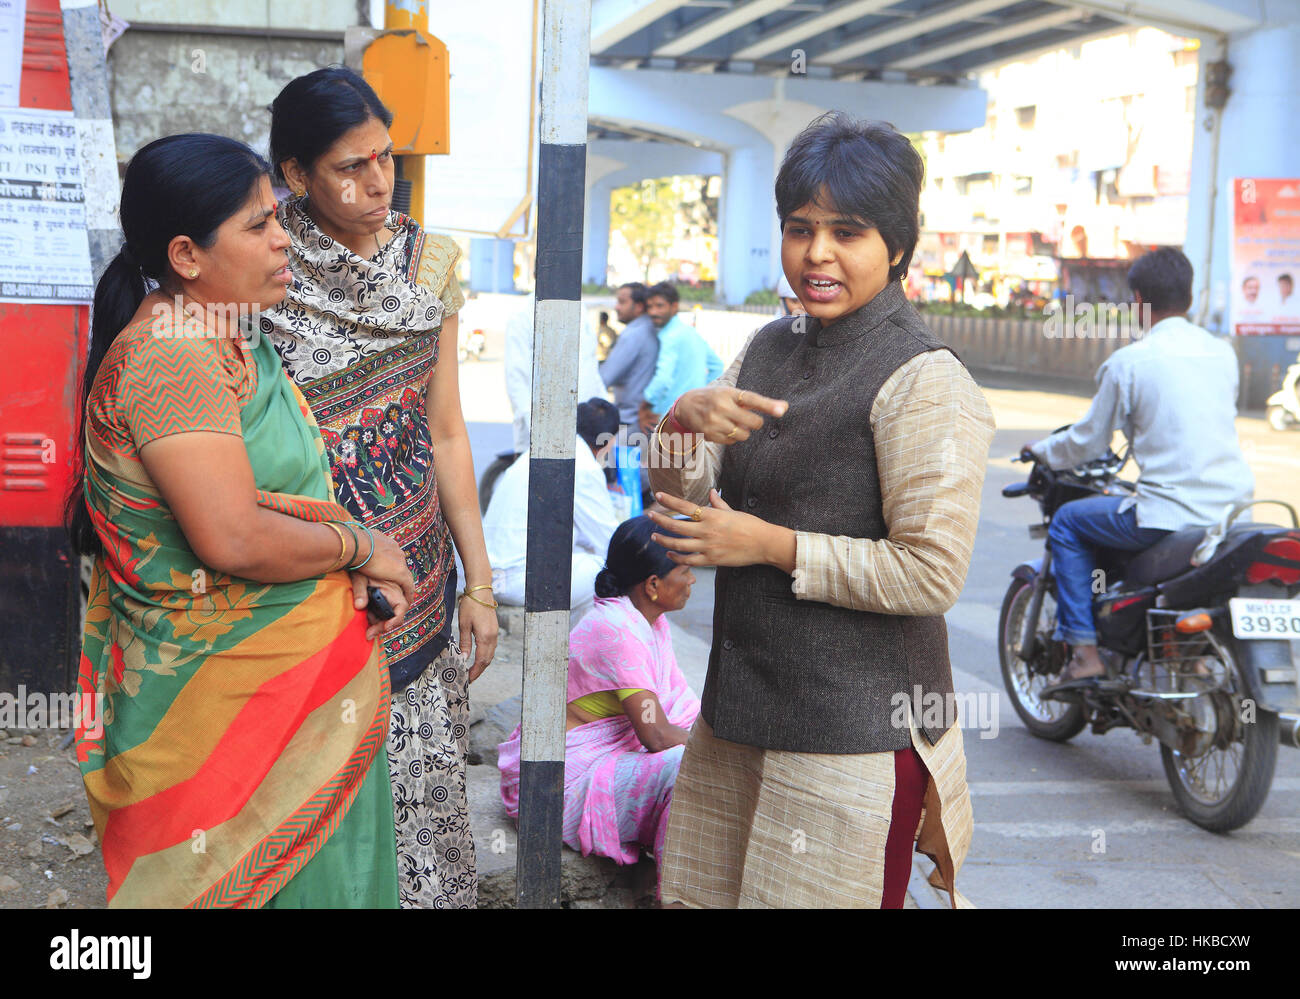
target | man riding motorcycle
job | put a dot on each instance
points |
(1173, 393)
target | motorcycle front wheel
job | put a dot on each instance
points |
(1056, 721)
(1279, 418)
(1224, 785)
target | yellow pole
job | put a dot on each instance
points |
(400, 14)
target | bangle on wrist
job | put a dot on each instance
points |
(370, 554)
(672, 452)
(356, 540)
(343, 547)
(671, 417)
(466, 595)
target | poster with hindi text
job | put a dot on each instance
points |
(1265, 257)
(44, 253)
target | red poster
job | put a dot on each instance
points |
(1265, 256)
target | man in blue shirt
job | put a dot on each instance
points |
(685, 361)
(631, 361)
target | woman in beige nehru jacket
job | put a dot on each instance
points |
(833, 475)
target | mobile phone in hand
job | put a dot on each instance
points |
(379, 605)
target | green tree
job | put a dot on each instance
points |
(646, 214)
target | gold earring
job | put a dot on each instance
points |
(654, 597)
(193, 273)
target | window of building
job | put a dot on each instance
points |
(1026, 115)
(1022, 185)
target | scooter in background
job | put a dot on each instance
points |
(473, 346)
(1284, 404)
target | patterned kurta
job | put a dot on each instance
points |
(809, 829)
(361, 337)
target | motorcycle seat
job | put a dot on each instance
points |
(1172, 555)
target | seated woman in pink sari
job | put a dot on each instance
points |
(629, 707)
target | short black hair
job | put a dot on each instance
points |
(662, 290)
(867, 170)
(1163, 278)
(1285, 277)
(314, 111)
(636, 291)
(597, 418)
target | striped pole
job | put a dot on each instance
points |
(566, 27)
(88, 82)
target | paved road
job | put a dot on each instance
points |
(1090, 823)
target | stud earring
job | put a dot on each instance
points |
(193, 273)
(654, 597)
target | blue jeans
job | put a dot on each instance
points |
(1078, 529)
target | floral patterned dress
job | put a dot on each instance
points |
(360, 338)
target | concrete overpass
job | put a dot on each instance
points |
(687, 86)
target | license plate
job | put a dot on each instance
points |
(1257, 618)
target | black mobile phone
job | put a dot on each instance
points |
(379, 605)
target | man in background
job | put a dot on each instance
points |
(631, 362)
(519, 368)
(685, 361)
(505, 525)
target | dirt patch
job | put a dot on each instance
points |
(49, 855)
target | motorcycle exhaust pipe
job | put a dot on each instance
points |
(1288, 730)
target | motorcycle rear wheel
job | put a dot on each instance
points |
(1211, 800)
(1056, 721)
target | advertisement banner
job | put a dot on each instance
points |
(1265, 256)
(44, 254)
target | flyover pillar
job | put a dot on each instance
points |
(745, 243)
(1256, 138)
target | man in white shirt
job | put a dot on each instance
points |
(519, 368)
(505, 525)
(1173, 393)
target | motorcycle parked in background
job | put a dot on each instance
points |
(471, 346)
(1196, 635)
(1284, 404)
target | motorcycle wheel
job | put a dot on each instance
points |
(1278, 418)
(1224, 787)
(1056, 721)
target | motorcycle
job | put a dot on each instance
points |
(474, 343)
(1284, 404)
(1196, 634)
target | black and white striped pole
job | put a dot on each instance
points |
(566, 28)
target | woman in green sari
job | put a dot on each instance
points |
(237, 758)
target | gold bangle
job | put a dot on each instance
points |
(469, 596)
(672, 453)
(482, 586)
(343, 546)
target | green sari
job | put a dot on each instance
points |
(238, 755)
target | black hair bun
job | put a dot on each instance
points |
(607, 584)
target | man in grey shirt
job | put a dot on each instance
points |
(631, 361)
(1173, 393)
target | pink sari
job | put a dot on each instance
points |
(616, 794)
